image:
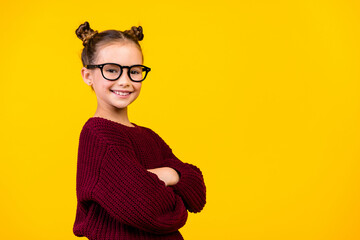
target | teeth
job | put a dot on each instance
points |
(121, 93)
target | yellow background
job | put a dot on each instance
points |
(263, 96)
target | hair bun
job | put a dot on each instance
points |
(85, 33)
(136, 33)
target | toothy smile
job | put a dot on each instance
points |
(120, 93)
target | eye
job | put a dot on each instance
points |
(135, 70)
(112, 70)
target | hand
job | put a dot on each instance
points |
(166, 174)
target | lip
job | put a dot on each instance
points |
(120, 90)
(120, 96)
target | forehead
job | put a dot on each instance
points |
(123, 53)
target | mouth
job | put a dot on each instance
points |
(121, 93)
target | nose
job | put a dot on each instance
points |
(124, 79)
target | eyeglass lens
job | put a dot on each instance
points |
(112, 72)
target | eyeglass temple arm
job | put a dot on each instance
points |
(91, 66)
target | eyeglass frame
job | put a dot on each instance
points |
(101, 66)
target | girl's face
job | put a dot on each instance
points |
(108, 92)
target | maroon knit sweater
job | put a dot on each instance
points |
(118, 198)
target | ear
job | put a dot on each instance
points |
(87, 76)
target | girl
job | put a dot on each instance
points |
(129, 184)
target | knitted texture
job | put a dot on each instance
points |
(118, 198)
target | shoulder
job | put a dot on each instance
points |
(151, 133)
(90, 132)
(147, 130)
(108, 132)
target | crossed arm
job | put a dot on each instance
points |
(111, 176)
(156, 203)
(185, 179)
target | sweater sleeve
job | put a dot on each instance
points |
(135, 196)
(191, 186)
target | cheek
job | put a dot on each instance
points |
(137, 86)
(103, 83)
(102, 87)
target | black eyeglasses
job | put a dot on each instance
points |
(113, 71)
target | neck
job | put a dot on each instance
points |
(119, 115)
